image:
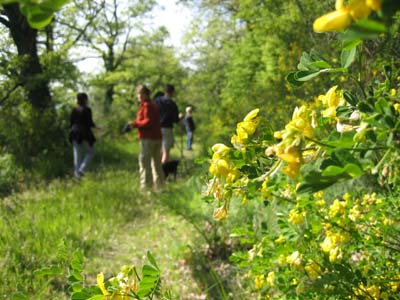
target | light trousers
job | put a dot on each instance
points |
(150, 169)
(83, 154)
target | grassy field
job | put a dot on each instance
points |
(106, 217)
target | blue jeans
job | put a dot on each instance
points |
(189, 140)
(83, 154)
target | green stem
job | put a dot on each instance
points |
(350, 149)
(375, 169)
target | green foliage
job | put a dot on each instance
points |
(330, 182)
(38, 13)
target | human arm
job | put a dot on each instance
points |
(143, 119)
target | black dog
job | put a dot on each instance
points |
(170, 167)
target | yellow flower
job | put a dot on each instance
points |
(337, 20)
(220, 213)
(374, 4)
(219, 167)
(393, 92)
(313, 270)
(337, 208)
(252, 115)
(292, 170)
(100, 284)
(281, 239)
(342, 17)
(328, 244)
(220, 150)
(292, 154)
(335, 254)
(271, 278)
(294, 259)
(397, 107)
(359, 9)
(296, 217)
(264, 189)
(278, 135)
(259, 282)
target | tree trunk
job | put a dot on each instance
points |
(25, 39)
(109, 97)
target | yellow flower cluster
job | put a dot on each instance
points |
(373, 291)
(296, 217)
(343, 15)
(245, 129)
(332, 243)
(331, 100)
(289, 149)
(220, 164)
(337, 208)
(124, 283)
(294, 259)
(259, 282)
(313, 270)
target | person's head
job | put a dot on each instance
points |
(189, 110)
(143, 93)
(82, 99)
(158, 94)
(169, 90)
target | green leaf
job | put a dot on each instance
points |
(97, 297)
(53, 5)
(321, 64)
(293, 81)
(351, 43)
(353, 170)
(369, 26)
(150, 271)
(77, 261)
(344, 157)
(80, 296)
(343, 111)
(332, 170)
(350, 98)
(305, 75)
(77, 275)
(347, 57)
(152, 260)
(19, 296)
(383, 107)
(53, 270)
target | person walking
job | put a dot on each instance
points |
(189, 127)
(149, 133)
(169, 114)
(81, 135)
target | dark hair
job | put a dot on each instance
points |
(82, 98)
(158, 94)
(144, 91)
(169, 89)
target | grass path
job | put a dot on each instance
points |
(105, 215)
(165, 234)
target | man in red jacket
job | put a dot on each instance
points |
(149, 133)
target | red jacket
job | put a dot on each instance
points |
(148, 121)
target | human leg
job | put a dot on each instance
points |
(158, 175)
(167, 143)
(77, 151)
(189, 140)
(145, 164)
(89, 153)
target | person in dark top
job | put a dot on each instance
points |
(81, 135)
(190, 127)
(169, 114)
